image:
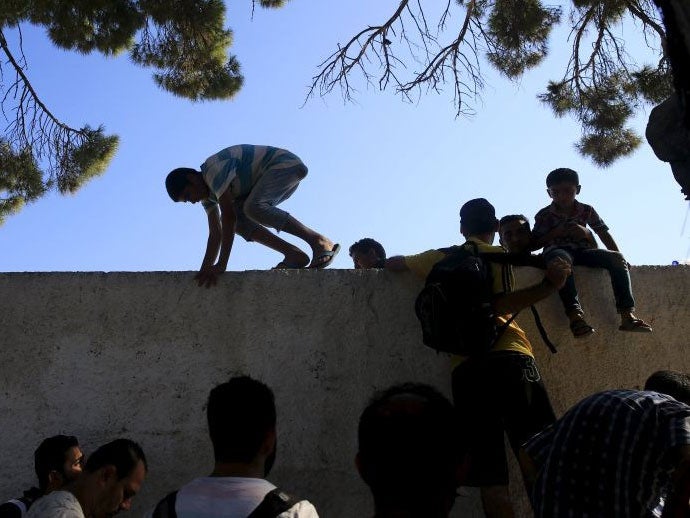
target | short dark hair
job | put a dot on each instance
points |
(514, 217)
(410, 443)
(51, 455)
(124, 454)
(366, 244)
(478, 216)
(672, 383)
(561, 175)
(240, 413)
(177, 180)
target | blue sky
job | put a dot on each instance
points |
(381, 168)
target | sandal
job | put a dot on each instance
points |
(635, 325)
(580, 328)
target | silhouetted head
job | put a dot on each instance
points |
(410, 452)
(562, 175)
(477, 217)
(562, 185)
(514, 233)
(671, 383)
(186, 185)
(114, 474)
(367, 253)
(241, 417)
(57, 460)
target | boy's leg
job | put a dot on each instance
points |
(573, 310)
(251, 231)
(569, 297)
(274, 187)
(618, 270)
(294, 257)
(617, 267)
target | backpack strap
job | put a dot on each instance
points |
(542, 331)
(166, 507)
(274, 503)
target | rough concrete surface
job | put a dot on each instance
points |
(103, 355)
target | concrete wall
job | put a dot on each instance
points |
(135, 354)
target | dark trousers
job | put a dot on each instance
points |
(500, 391)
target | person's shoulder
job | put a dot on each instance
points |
(11, 509)
(583, 206)
(543, 212)
(302, 509)
(58, 504)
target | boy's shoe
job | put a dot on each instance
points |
(635, 325)
(580, 328)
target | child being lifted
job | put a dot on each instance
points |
(563, 225)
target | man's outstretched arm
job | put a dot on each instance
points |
(556, 273)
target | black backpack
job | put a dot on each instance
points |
(274, 503)
(455, 308)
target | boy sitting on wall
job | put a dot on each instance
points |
(563, 225)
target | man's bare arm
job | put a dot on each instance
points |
(214, 237)
(229, 223)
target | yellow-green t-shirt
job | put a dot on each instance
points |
(513, 338)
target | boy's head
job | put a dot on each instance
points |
(562, 185)
(514, 233)
(478, 217)
(185, 184)
(367, 253)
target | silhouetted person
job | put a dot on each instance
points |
(57, 461)
(618, 453)
(240, 188)
(515, 235)
(501, 390)
(367, 253)
(411, 452)
(241, 417)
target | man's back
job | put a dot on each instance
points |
(230, 497)
(608, 455)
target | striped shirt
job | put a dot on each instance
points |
(606, 457)
(549, 218)
(239, 167)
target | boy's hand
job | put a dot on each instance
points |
(557, 271)
(208, 276)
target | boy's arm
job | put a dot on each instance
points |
(221, 234)
(541, 236)
(546, 239)
(556, 273)
(607, 239)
